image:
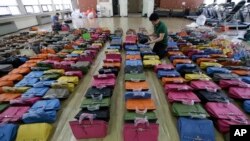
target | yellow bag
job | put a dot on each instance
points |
(15, 89)
(204, 65)
(77, 52)
(115, 51)
(151, 62)
(197, 76)
(60, 71)
(150, 57)
(97, 44)
(34, 132)
(68, 79)
(69, 86)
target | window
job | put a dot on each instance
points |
(207, 2)
(46, 5)
(67, 6)
(30, 2)
(9, 7)
(236, 1)
(31, 6)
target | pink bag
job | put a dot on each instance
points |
(225, 111)
(224, 125)
(112, 60)
(177, 87)
(104, 80)
(13, 114)
(163, 67)
(50, 61)
(65, 28)
(97, 48)
(233, 83)
(86, 129)
(187, 97)
(25, 101)
(86, 57)
(114, 56)
(141, 130)
(74, 73)
(94, 36)
(239, 93)
(204, 85)
(91, 52)
(66, 65)
(130, 39)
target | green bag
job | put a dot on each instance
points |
(196, 110)
(3, 106)
(44, 64)
(50, 76)
(135, 77)
(93, 103)
(130, 116)
(40, 68)
(67, 50)
(86, 36)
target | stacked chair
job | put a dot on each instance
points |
(200, 83)
(140, 118)
(95, 107)
(31, 94)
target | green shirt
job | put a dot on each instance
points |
(161, 28)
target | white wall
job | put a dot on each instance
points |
(123, 7)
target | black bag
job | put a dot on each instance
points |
(13, 60)
(224, 76)
(134, 69)
(206, 96)
(142, 38)
(106, 92)
(101, 114)
(109, 71)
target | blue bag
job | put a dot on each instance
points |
(146, 51)
(131, 47)
(73, 55)
(212, 70)
(35, 74)
(8, 132)
(179, 67)
(44, 83)
(167, 73)
(114, 47)
(209, 51)
(133, 52)
(116, 42)
(172, 49)
(46, 105)
(133, 63)
(172, 44)
(197, 56)
(196, 129)
(246, 106)
(246, 79)
(177, 57)
(137, 95)
(32, 92)
(27, 81)
(39, 116)
(143, 46)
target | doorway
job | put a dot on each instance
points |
(115, 7)
(135, 6)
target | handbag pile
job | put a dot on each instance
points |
(92, 120)
(140, 118)
(32, 93)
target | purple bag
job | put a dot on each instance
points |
(104, 80)
(225, 111)
(233, 83)
(186, 97)
(204, 85)
(239, 93)
(13, 114)
(141, 130)
(25, 101)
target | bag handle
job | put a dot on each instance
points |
(97, 98)
(88, 116)
(183, 88)
(210, 89)
(135, 80)
(187, 102)
(93, 107)
(141, 112)
(138, 121)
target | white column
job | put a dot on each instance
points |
(21, 7)
(123, 4)
(145, 7)
(151, 4)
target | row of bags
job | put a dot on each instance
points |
(95, 108)
(28, 105)
(140, 118)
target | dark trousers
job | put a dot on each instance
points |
(160, 49)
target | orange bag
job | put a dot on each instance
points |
(182, 61)
(173, 80)
(34, 28)
(230, 63)
(136, 85)
(28, 65)
(69, 46)
(198, 61)
(218, 56)
(34, 60)
(6, 97)
(140, 104)
(12, 77)
(112, 65)
(182, 34)
(40, 56)
(48, 51)
(20, 71)
(6, 83)
(241, 72)
(133, 57)
(170, 53)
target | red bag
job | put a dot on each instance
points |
(224, 125)
(142, 130)
(13, 114)
(239, 93)
(204, 85)
(86, 129)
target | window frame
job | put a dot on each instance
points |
(33, 9)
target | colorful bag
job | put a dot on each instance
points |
(6, 97)
(224, 76)
(196, 76)
(163, 67)
(131, 116)
(177, 87)
(246, 106)
(32, 92)
(136, 86)
(82, 66)
(105, 92)
(186, 97)
(100, 114)
(151, 63)
(57, 93)
(104, 80)
(13, 114)
(46, 105)
(180, 67)
(181, 61)
(27, 81)
(68, 79)
(50, 76)
(168, 73)
(194, 111)
(95, 102)
(39, 116)
(35, 74)
(46, 83)
(204, 85)
(204, 65)
(109, 71)
(8, 132)
(212, 70)
(134, 69)
(175, 80)
(69, 86)
(141, 130)
(140, 104)
(24, 101)
(233, 83)
(241, 72)
(137, 95)
(135, 77)
(74, 73)
(173, 57)
(198, 61)
(207, 96)
(35, 131)
(20, 71)
(12, 77)
(133, 57)
(15, 89)
(239, 92)
(133, 63)
(224, 125)
(196, 129)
